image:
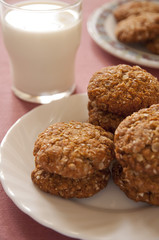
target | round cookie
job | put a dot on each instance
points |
(138, 28)
(153, 45)
(68, 187)
(141, 182)
(134, 8)
(136, 141)
(74, 149)
(130, 189)
(123, 89)
(108, 121)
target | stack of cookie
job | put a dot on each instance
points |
(138, 22)
(72, 159)
(136, 141)
(117, 91)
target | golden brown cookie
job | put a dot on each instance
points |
(123, 89)
(134, 8)
(153, 45)
(136, 141)
(74, 149)
(133, 191)
(107, 120)
(68, 187)
(138, 28)
(142, 182)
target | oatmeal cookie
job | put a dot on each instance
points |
(68, 187)
(123, 89)
(134, 8)
(107, 120)
(74, 149)
(136, 141)
(131, 190)
(142, 182)
(138, 28)
(153, 45)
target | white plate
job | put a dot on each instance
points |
(101, 25)
(109, 215)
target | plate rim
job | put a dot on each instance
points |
(2, 181)
(104, 44)
(57, 228)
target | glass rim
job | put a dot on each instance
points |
(16, 7)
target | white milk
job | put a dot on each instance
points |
(42, 48)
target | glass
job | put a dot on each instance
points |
(42, 38)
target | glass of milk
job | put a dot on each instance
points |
(42, 38)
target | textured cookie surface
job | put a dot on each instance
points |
(137, 141)
(132, 190)
(153, 45)
(135, 8)
(70, 188)
(106, 120)
(141, 182)
(123, 89)
(138, 28)
(74, 149)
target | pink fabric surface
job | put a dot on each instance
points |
(14, 224)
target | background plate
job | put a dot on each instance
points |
(109, 215)
(101, 27)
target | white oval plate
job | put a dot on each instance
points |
(109, 215)
(101, 27)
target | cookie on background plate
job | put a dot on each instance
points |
(134, 8)
(138, 29)
(153, 45)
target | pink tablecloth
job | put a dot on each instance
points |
(14, 224)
